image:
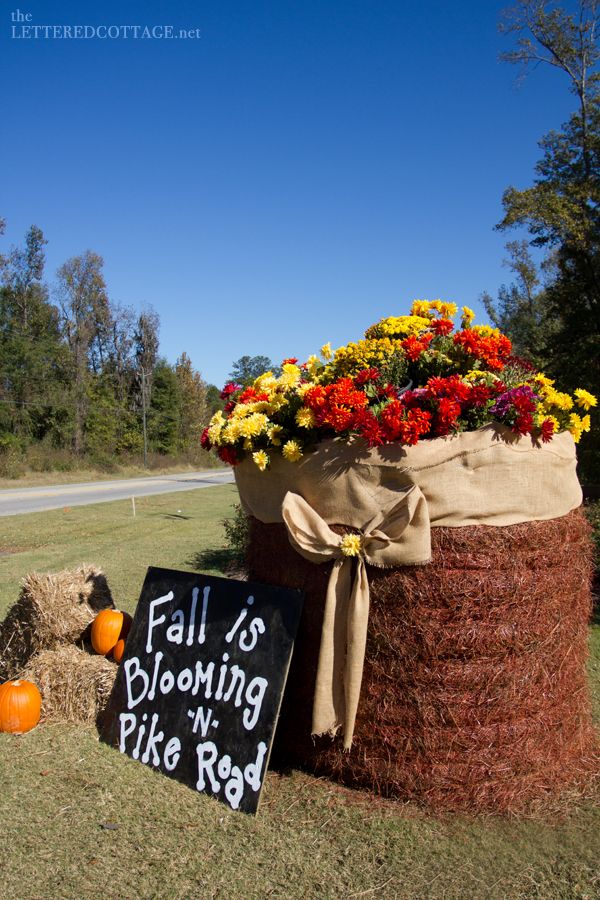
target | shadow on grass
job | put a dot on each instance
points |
(215, 559)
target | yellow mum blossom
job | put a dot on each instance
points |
(486, 330)
(241, 410)
(421, 308)
(448, 310)
(352, 358)
(313, 364)
(577, 426)
(252, 426)
(290, 375)
(291, 451)
(305, 417)
(467, 316)
(231, 432)
(398, 325)
(265, 382)
(326, 351)
(351, 544)
(261, 459)
(215, 425)
(542, 380)
(303, 388)
(584, 399)
(555, 398)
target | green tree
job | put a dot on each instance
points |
(561, 210)
(85, 313)
(521, 308)
(164, 416)
(193, 413)
(33, 361)
(247, 368)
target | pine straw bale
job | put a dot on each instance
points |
(51, 610)
(474, 691)
(75, 685)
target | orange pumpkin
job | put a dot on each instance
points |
(106, 630)
(118, 650)
(20, 706)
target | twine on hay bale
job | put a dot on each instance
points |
(75, 685)
(474, 692)
(51, 610)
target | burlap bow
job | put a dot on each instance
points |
(397, 536)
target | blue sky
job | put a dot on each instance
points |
(301, 169)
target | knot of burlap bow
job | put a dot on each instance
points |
(398, 535)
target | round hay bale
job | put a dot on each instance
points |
(474, 692)
(51, 610)
(75, 685)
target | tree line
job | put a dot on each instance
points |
(82, 374)
(551, 310)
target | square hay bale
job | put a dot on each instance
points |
(52, 609)
(75, 685)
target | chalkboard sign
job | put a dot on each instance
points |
(199, 687)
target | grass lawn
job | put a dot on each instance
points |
(79, 820)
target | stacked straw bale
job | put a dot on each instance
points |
(474, 690)
(75, 685)
(44, 637)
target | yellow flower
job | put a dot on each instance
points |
(290, 375)
(448, 310)
(326, 351)
(576, 426)
(261, 459)
(232, 432)
(543, 380)
(291, 451)
(351, 544)
(313, 364)
(305, 417)
(584, 399)
(467, 316)
(253, 425)
(421, 308)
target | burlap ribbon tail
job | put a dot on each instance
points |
(399, 534)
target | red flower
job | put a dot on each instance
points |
(228, 455)
(230, 388)
(366, 375)
(523, 424)
(367, 425)
(442, 326)
(204, 440)
(292, 360)
(547, 430)
(413, 347)
(493, 349)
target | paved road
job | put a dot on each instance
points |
(37, 499)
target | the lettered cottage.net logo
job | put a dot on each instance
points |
(23, 27)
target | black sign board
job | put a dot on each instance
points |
(199, 687)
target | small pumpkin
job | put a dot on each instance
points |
(119, 650)
(108, 626)
(20, 706)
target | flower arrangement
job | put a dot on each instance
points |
(411, 377)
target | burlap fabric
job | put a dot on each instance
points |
(392, 496)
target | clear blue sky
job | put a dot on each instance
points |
(300, 170)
